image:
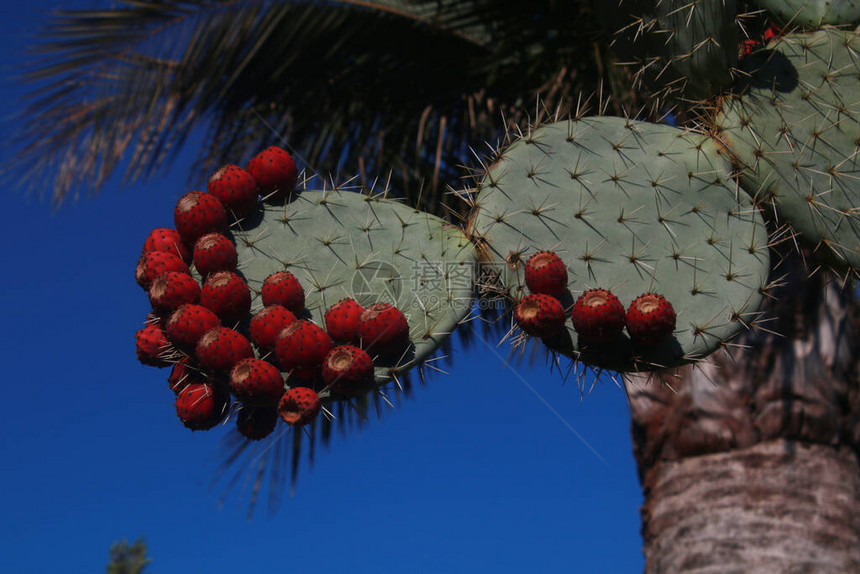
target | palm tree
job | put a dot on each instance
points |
(748, 462)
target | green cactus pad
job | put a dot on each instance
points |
(688, 48)
(345, 244)
(632, 207)
(813, 13)
(795, 129)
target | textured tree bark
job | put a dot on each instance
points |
(777, 506)
(750, 461)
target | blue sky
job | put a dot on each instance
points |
(492, 468)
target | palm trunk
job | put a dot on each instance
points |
(749, 461)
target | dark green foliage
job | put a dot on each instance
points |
(128, 558)
(123, 88)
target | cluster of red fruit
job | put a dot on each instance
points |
(598, 316)
(210, 360)
(749, 45)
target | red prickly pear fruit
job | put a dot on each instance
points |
(383, 330)
(275, 173)
(153, 263)
(267, 324)
(540, 315)
(156, 319)
(598, 316)
(235, 188)
(771, 32)
(748, 46)
(214, 252)
(183, 374)
(227, 295)
(179, 376)
(168, 241)
(201, 406)
(299, 406)
(256, 423)
(188, 323)
(301, 348)
(341, 321)
(256, 382)
(197, 214)
(650, 319)
(348, 371)
(282, 288)
(546, 273)
(170, 290)
(153, 346)
(219, 349)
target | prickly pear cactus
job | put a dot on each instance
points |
(795, 129)
(345, 244)
(683, 47)
(813, 13)
(631, 207)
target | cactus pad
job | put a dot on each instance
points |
(795, 129)
(685, 47)
(813, 13)
(345, 244)
(631, 207)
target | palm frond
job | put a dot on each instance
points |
(370, 88)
